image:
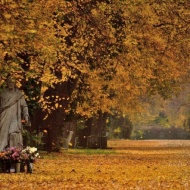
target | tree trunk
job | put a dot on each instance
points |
(55, 122)
(94, 135)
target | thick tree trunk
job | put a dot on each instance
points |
(55, 122)
(101, 124)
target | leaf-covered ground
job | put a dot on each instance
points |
(128, 165)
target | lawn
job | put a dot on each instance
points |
(126, 165)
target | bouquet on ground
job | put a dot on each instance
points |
(12, 154)
(14, 159)
(30, 154)
(19, 154)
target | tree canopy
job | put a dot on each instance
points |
(118, 52)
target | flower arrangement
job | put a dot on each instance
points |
(18, 154)
(30, 153)
(12, 155)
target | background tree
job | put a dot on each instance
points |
(119, 127)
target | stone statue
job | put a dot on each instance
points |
(12, 107)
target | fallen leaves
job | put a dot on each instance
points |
(135, 165)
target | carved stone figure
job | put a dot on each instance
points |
(12, 107)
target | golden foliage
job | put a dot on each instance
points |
(150, 165)
(118, 51)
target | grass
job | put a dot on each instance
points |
(91, 151)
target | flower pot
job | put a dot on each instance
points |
(22, 166)
(5, 166)
(29, 167)
(12, 167)
(17, 167)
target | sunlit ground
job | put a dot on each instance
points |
(126, 165)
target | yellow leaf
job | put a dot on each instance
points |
(31, 31)
(56, 105)
(7, 16)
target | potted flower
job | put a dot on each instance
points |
(13, 159)
(30, 154)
